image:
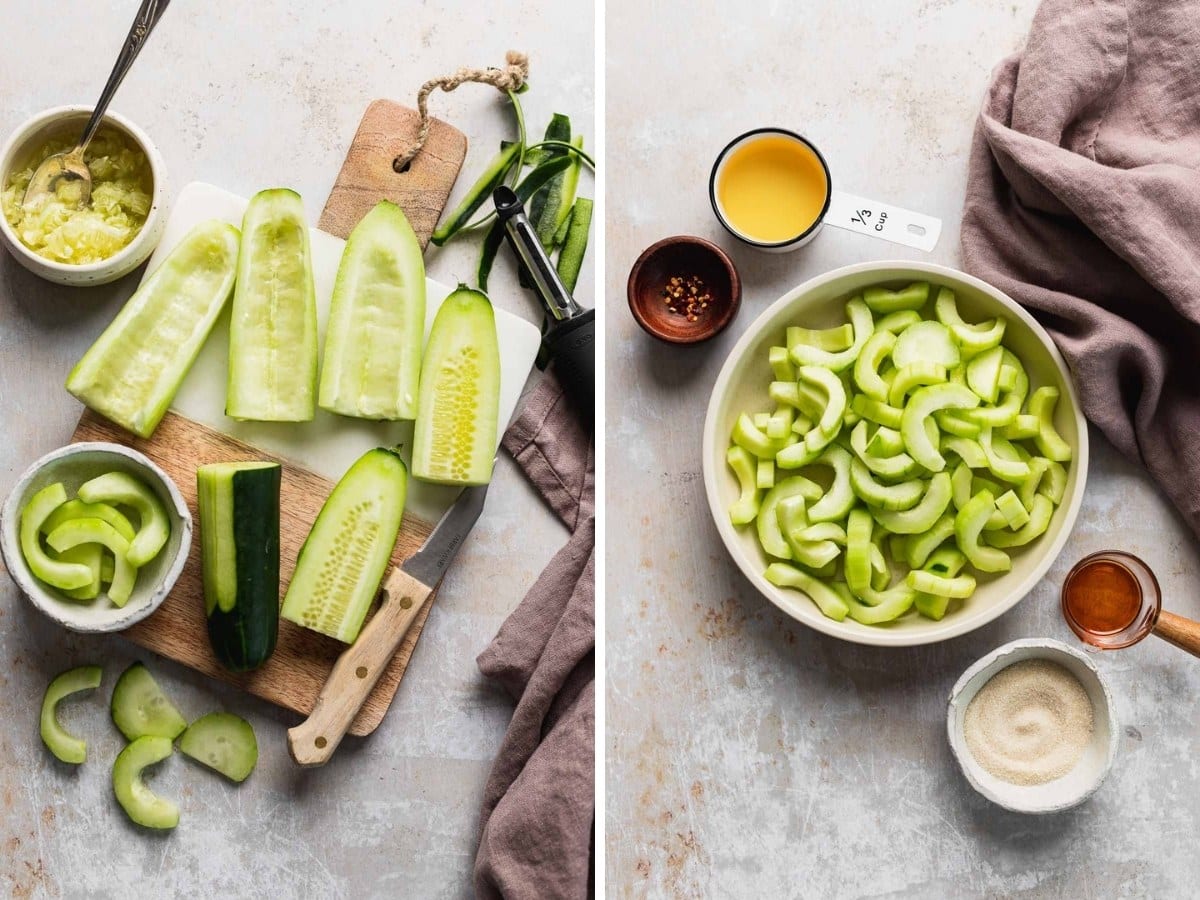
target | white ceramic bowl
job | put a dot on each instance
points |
(73, 465)
(1093, 767)
(820, 302)
(70, 120)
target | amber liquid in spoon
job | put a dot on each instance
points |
(1102, 598)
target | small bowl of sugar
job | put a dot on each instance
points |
(1032, 726)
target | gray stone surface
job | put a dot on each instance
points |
(247, 96)
(748, 756)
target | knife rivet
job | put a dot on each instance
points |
(361, 671)
(406, 602)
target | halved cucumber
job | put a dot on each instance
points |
(131, 374)
(345, 555)
(66, 576)
(141, 804)
(58, 741)
(458, 416)
(223, 742)
(140, 708)
(119, 488)
(372, 363)
(273, 328)
(239, 535)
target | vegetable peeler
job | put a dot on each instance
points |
(569, 338)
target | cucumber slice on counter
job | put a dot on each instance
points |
(458, 415)
(372, 363)
(344, 556)
(223, 742)
(273, 328)
(58, 741)
(141, 804)
(140, 708)
(66, 576)
(154, 528)
(239, 533)
(81, 532)
(130, 375)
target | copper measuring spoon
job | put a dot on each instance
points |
(1112, 600)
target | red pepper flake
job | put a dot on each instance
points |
(686, 295)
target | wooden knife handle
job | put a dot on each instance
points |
(1183, 633)
(354, 675)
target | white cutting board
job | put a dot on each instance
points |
(329, 444)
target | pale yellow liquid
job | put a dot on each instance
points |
(772, 188)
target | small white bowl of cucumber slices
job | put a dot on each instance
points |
(894, 453)
(95, 535)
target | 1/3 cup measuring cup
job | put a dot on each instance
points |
(772, 189)
(1112, 600)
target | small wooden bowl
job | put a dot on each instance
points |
(683, 256)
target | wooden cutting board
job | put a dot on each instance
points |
(293, 676)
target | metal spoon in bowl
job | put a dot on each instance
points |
(70, 165)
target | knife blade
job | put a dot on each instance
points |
(404, 593)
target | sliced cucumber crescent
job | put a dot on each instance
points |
(141, 804)
(345, 555)
(273, 328)
(119, 488)
(223, 742)
(81, 532)
(140, 708)
(372, 363)
(130, 375)
(239, 534)
(65, 576)
(65, 746)
(458, 416)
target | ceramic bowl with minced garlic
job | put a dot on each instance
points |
(57, 237)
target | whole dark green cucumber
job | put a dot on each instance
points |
(239, 539)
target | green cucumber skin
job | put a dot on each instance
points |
(244, 637)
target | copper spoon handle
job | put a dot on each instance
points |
(1183, 633)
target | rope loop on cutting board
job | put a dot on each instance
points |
(510, 78)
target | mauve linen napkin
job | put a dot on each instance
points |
(1083, 203)
(538, 806)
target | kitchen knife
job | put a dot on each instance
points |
(405, 591)
(569, 339)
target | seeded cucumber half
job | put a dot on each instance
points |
(130, 375)
(273, 327)
(344, 556)
(372, 363)
(455, 438)
(141, 804)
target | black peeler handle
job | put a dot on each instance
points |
(572, 346)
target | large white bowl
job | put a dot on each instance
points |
(820, 302)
